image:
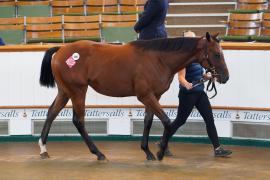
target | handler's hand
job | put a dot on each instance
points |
(188, 85)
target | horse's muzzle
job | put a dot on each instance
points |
(224, 79)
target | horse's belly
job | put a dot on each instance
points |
(114, 89)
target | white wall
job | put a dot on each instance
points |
(249, 83)
(249, 80)
(248, 86)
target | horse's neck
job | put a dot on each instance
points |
(177, 60)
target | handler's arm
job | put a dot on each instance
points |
(182, 79)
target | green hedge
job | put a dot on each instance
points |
(261, 38)
(237, 38)
(45, 40)
(73, 39)
(237, 11)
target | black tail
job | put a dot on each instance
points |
(46, 76)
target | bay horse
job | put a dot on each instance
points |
(140, 68)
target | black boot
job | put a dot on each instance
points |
(220, 152)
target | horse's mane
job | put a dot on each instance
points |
(167, 44)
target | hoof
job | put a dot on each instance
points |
(44, 155)
(160, 155)
(151, 157)
(102, 158)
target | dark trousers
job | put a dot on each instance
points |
(200, 100)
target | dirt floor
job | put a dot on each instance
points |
(71, 160)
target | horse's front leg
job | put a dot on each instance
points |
(163, 143)
(148, 119)
(151, 102)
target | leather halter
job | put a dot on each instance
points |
(211, 82)
(211, 68)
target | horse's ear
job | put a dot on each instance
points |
(216, 35)
(208, 36)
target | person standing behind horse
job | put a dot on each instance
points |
(151, 24)
(190, 96)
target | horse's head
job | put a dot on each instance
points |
(211, 57)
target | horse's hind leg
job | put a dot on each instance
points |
(78, 102)
(57, 105)
(148, 119)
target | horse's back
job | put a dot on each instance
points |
(108, 68)
(93, 51)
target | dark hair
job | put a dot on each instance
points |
(167, 44)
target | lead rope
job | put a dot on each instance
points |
(210, 86)
(213, 87)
